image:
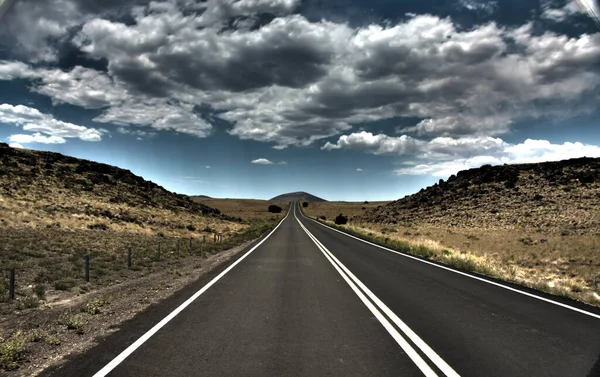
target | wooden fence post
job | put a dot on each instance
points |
(87, 268)
(11, 285)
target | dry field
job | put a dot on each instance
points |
(331, 209)
(246, 209)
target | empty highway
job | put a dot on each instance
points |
(306, 300)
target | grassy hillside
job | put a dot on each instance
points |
(55, 210)
(556, 197)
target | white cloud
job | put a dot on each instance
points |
(359, 169)
(82, 87)
(487, 7)
(15, 145)
(207, 167)
(158, 114)
(262, 161)
(282, 163)
(291, 81)
(36, 138)
(33, 120)
(376, 144)
(530, 151)
(444, 156)
(561, 13)
(10, 70)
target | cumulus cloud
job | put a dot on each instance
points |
(262, 161)
(443, 156)
(207, 167)
(36, 138)
(298, 81)
(159, 114)
(530, 151)
(286, 80)
(36, 29)
(376, 144)
(359, 169)
(80, 86)
(15, 145)
(46, 128)
(552, 10)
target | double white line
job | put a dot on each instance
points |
(376, 306)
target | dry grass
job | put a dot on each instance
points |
(246, 209)
(331, 209)
(566, 265)
(55, 209)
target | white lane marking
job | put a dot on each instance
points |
(434, 357)
(129, 350)
(597, 316)
(410, 351)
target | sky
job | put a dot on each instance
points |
(345, 99)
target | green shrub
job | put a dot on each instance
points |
(93, 307)
(11, 352)
(64, 284)
(98, 226)
(274, 208)
(29, 302)
(74, 322)
(40, 291)
(341, 219)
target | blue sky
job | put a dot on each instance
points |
(345, 99)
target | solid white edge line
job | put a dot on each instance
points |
(135, 345)
(410, 351)
(431, 354)
(597, 316)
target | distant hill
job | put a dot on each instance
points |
(58, 186)
(297, 196)
(560, 197)
(200, 197)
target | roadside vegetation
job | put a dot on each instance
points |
(532, 224)
(55, 210)
(245, 209)
(571, 286)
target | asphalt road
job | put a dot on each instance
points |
(310, 301)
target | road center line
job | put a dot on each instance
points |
(410, 351)
(135, 345)
(597, 316)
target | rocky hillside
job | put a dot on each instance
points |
(559, 197)
(43, 186)
(297, 196)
